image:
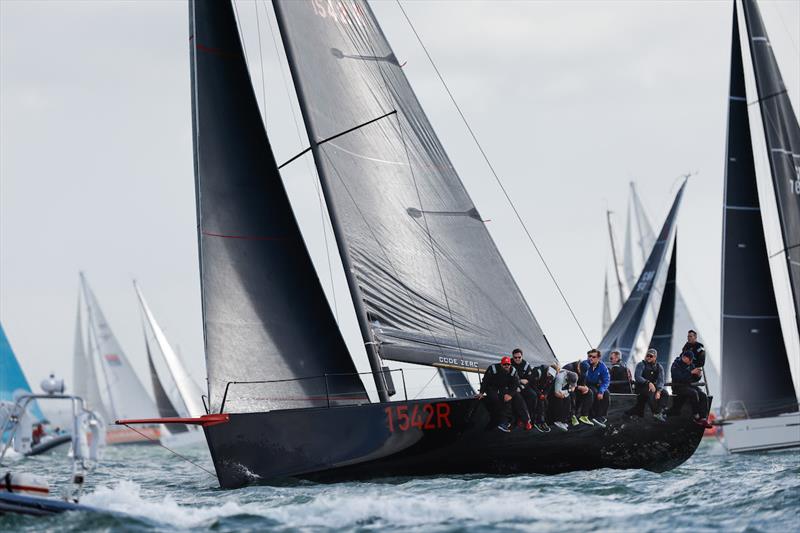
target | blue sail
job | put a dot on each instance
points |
(12, 378)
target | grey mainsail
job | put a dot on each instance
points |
(632, 328)
(751, 336)
(428, 282)
(265, 315)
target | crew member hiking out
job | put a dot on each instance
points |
(500, 387)
(560, 404)
(684, 379)
(594, 403)
(620, 375)
(649, 375)
(541, 381)
(524, 370)
(580, 390)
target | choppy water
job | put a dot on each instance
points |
(148, 489)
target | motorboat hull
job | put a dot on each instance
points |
(434, 437)
(762, 434)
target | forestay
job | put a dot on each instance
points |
(633, 326)
(755, 372)
(265, 315)
(426, 275)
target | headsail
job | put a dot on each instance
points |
(661, 340)
(186, 399)
(606, 304)
(84, 375)
(265, 315)
(127, 395)
(456, 383)
(751, 335)
(12, 379)
(427, 279)
(632, 329)
(164, 404)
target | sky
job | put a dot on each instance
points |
(570, 100)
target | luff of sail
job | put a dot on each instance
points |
(633, 326)
(426, 275)
(163, 402)
(265, 316)
(751, 335)
(187, 402)
(128, 396)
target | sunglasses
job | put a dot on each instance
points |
(594, 357)
(506, 364)
(517, 357)
(650, 355)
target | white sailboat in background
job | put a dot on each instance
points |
(760, 324)
(176, 393)
(123, 394)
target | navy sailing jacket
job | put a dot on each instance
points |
(682, 373)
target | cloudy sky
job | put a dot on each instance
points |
(571, 101)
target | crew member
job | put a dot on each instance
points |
(500, 387)
(580, 390)
(696, 348)
(594, 404)
(620, 375)
(524, 371)
(541, 381)
(684, 377)
(649, 375)
(560, 404)
(37, 434)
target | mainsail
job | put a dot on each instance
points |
(427, 281)
(12, 379)
(752, 339)
(84, 376)
(127, 395)
(265, 316)
(632, 328)
(186, 398)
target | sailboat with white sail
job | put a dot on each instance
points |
(760, 323)
(427, 282)
(176, 393)
(122, 393)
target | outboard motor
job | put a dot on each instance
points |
(53, 385)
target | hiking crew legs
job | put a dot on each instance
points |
(645, 397)
(697, 399)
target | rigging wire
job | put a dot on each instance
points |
(157, 441)
(494, 173)
(261, 60)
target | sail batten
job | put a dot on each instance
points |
(428, 282)
(265, 315)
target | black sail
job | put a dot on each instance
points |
(755, 368)
(662, 333)
(782, 134)
(164, 404)
(265, 314)
(627, 328)
(425, 274)
(456, 383)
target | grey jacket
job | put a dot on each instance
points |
(639, 374)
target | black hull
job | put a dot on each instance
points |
(449, 437)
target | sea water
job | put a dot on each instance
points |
(146, 488)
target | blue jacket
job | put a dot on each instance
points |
(682, 373)
(596, 377)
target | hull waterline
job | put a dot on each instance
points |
(762, 434)
(434, 437)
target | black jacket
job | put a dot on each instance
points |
(523, 369)
(497, 380)
(698, 353)
(620, 379)
(682, 373)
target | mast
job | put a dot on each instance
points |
(616, 260)
(355, 292)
